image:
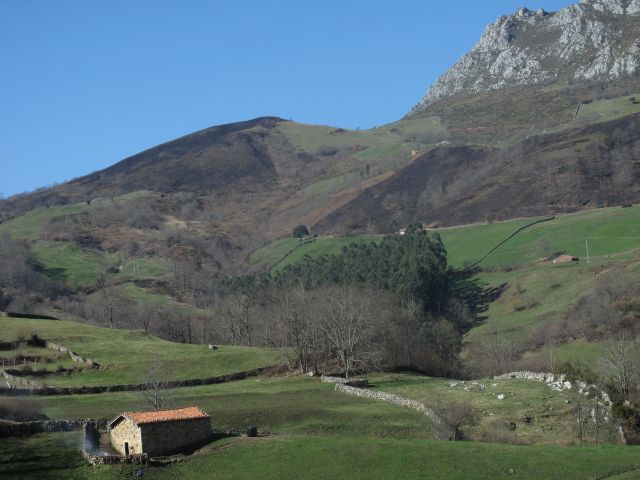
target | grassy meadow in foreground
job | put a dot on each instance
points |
(56, 456)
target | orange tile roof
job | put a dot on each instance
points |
(187, 413)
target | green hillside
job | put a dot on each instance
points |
(609, 231)
(537, 291)
(124, 355)
(279, 254)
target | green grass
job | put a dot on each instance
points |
(269, 255)
(124, 354)
(29, 225)
(308, 457)
(277, 255)
(316, 138)
(426, 130)
(609, 231)
(146, 268)
(538, 294)
(77, 267)
(330, 185)
(534, 295)
(553, 420)
(288, 405)
(538, 291)
(396, 150)
(132, 291)
(609, 108)
(50, 456)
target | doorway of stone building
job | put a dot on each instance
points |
(126, 448)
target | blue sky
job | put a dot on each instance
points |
(85, 84)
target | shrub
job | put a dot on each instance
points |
(21, 409)
(300, 231)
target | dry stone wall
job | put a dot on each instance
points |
(13, 381)
(97, 459)
(74, 356)
(20, 429)
(390, 398)
(18, 391)
(559, 383)
(354, 382)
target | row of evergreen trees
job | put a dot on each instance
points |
(416, 318)
(412, 266)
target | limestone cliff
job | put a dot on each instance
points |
(591, 40)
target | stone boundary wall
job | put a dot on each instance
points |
(274, 369)
(14, 380)
(22, 429)
(74, 356)
(557, 382)
(9, 345)
(328, 379)
(97, 459)
(390, 398)
(354, 382)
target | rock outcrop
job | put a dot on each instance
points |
(590, 40)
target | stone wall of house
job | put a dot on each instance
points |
(126, 432)
(161, 438)
(390, 398)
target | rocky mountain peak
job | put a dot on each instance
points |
(590, 40)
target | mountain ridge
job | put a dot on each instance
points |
(590, 40)
(498, 153)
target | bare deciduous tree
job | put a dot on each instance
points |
(621, 362)
(454, 415)
(346, 320)
(497, 354)
(237, 318)
(156, 384)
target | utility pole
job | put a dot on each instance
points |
(586, 242)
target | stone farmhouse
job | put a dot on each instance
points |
(159, 433)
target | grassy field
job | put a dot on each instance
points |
(551, 413)
(607, 109)
(609, 231)
(327, 434)
(533, 295)
(56, 456)
(49, 456)
(287, 405)
(124, 355)
(77, 267)
(287, 251)
(303, 406)
(362, 153)
(29, 225)
(537, 291)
